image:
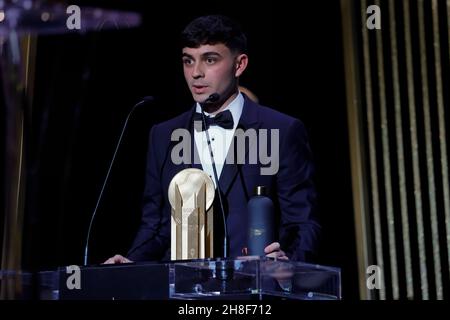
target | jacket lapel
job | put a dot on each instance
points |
(195, 158)
(185, 123)
(249, 120)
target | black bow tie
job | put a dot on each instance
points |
(223, 119)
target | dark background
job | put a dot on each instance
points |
(86, 85)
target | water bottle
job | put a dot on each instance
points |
(260, 222)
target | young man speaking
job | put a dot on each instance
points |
(214, 57)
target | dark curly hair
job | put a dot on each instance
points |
(214, 29)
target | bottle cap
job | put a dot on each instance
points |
(260, 190)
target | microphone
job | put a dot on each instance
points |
(212, 99)
(144, 101)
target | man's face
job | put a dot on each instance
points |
(212, 69)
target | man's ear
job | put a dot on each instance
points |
(241, 64)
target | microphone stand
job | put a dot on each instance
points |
(224, 270)
(140, 103)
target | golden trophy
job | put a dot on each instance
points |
(191, 195)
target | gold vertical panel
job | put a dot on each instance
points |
(442, 130)
(193, 234)
(355, 127)
(387, 165)
(29, 46)
(178, 219)
(201, 198)
(448, 24)
(209, 238)
(446, 183)
(18, 86)
(372, 151)
(14, 193)
(415, 152)
(419, 210)
(400, 154)
(429, 151)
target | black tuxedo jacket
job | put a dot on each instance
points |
(291, 188)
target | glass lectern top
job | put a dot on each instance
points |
(254, 275)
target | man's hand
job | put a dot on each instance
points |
(117, 259)
(273, 250)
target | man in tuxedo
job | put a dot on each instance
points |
(214, 57)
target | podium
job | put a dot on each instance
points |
(248, 278)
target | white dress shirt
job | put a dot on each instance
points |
(220, 139)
